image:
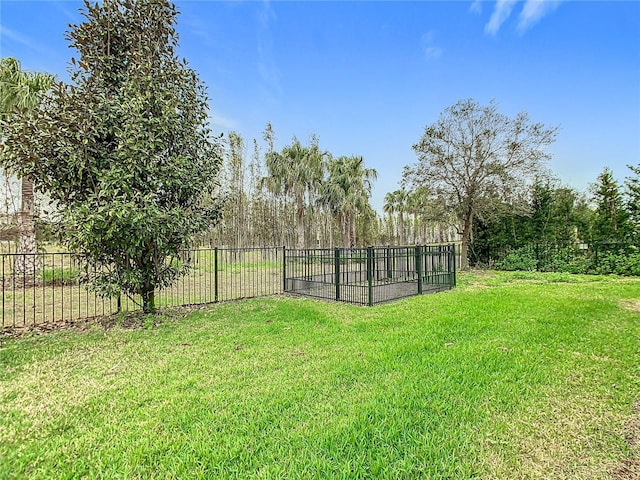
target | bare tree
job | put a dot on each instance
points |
(473, 155)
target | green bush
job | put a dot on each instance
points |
(568, 259)
(523, 258)
(564, 260)
(620, 262)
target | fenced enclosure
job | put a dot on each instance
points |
(372, 275)
(49, 289)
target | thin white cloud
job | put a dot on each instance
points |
(501, 12)
(533, 11)
(73, 16)
(476, 6)
(18, 38)
(219, 121)
(44, 59)
(429, 47)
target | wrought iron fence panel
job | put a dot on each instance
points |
(368, 276)
(50, 288)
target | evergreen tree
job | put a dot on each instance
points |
(611, 221)
(633, 199)
(540, 219)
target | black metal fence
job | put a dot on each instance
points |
(368, 276)
(46, 287)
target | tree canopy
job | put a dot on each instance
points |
(296, 172)
(346, 192)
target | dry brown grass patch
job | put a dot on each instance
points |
(633, 305)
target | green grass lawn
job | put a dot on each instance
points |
(514, 375)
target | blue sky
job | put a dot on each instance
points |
(367, 77)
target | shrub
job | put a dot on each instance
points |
(624, 261)
(523, 258)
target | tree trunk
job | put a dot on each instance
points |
(345, 230)
(401, 228)
(149, 302)
(25, 265)
(330, 224)
(352, 231)
(466, 235)
(300, 220)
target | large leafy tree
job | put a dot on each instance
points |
(20, 94)
(473, 156)
(126, 150)
(346, 193)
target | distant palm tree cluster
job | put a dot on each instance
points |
(300, 196)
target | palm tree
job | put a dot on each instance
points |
(296, 172)
(20, 94)
(396, 202)
(347, 191)
(430, 216)
(418, 205)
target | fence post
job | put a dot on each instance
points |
(215, 274)
(284, 268)
(389, 262)
(452, 272)
(406, 261)
(336, 267)
(370, 276)
(419, 267)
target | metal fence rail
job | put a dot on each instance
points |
(46, 287)
(368, 276)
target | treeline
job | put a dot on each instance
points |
(303, 196)
(608, 214)
(299, 196)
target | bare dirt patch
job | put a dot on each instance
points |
(632, 305)
(130, 320)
